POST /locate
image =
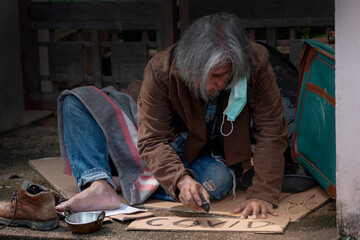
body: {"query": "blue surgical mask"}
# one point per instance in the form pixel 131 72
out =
pixel 236 103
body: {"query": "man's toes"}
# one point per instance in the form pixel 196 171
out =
pixel 60 207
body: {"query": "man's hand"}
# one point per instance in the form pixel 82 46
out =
pixel 256 207
pixel 189 192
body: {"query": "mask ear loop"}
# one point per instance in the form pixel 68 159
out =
pixel 222 125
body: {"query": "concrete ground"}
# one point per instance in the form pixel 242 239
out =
pixel 40 140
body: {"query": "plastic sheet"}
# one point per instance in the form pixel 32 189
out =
pixel 287 79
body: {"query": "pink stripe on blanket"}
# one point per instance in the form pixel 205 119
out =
pixel 67 166
pixel 145 178
pixel 124 127
pixel 146 187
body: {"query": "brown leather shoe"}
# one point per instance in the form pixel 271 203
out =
pixel 31 205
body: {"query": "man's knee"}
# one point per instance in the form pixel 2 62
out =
pixel 71 105
pixel 219 181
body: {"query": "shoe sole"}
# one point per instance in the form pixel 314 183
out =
pixel 35 225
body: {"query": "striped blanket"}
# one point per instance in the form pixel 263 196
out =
pixel 116 114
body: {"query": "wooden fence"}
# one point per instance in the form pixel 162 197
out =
pixel 280 23
pixel 69 44
pixel 101 43
pixel 264 14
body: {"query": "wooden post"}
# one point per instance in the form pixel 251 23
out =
pixel 271 36
pixel 292 33
pixel 170 22
pixel 96 58
pixel 25 44
pixel 252 34
pixel 81 38
pixel 184 15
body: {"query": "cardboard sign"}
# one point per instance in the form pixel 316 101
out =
pixel 274 225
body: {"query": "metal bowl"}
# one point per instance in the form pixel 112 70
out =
pixel 83 222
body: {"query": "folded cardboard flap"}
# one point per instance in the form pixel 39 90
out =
pixel 51 170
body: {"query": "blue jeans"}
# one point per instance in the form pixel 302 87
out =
pixel 87 151
pixel 210 172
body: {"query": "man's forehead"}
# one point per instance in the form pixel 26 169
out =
pixel 222 67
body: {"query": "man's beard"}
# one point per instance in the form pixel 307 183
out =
pixel 207 95
pixel 211 95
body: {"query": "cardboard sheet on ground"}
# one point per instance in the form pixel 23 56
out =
pixel 291 206
pixel 52 170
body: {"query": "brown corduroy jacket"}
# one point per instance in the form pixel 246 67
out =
pixel 167 107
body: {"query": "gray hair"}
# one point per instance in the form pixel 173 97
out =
pixel 211 41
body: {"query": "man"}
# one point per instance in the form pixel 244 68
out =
pixel 194 107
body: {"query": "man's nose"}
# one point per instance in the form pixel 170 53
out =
pixel 211 84
pixel 214 85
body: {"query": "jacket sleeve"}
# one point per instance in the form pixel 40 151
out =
pixel 270 133
pixel 156 132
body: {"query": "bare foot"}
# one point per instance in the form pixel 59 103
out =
pixel 99 196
